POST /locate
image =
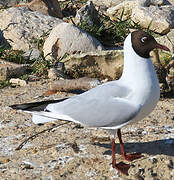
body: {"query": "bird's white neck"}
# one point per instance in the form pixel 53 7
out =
pixel 140 76
pixel 137 71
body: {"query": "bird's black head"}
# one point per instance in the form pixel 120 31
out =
pixel 143 43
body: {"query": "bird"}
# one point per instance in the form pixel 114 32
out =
pixel 114 104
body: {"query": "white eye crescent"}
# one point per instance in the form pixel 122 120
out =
pixel 143 39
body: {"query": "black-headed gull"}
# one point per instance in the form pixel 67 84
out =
pixel 114 104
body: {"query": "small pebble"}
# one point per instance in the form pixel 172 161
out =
pixel 53 73
pixel 140 171
pixel 154 160
pixel 34 151
pixel 5 161
pixel 27 165
pixel 18 82
pixel 167 111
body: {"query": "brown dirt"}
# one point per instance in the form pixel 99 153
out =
pixel 75 152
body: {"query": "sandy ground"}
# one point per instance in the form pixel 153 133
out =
pixel 74 152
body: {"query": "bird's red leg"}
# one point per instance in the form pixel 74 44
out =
pixel 121 167
pixel 128 157
pixel 113 153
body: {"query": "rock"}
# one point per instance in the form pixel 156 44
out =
pixel 147 3
pixel 8 70
pixel 53 73
pixel 168 40
pixel 172 2
pixel 69 39
pixel 32 54
pixel 171 63
pixel 87 14
pixel 7 3
pixel 58 71
pixel 107 3
pixel 160 19
pixel 126 6
pixel 18 82
pixel 60 66
pixel 22 26
pixel 4 160
pixel 104 64
pixel 47 7
pixel 112 3
pixel 33 78
pixel 154 160
pixel 27 165
pixel 69 85
pixel 101 65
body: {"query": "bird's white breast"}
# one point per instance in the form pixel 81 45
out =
pixel 139 74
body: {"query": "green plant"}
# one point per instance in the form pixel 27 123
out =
pixel 38 41
pixel 15 56
pixel 25 77
pixel 3 7
pixel 2 50
pixel 4 83
pixel 165 57
pixel 110 31
pixel 41 65
pixel 95 30
pixel 120 28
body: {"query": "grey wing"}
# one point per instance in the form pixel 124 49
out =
pixel 96 112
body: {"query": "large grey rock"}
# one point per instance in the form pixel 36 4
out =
pixel 168 40
pixel 9 69
pixel 115 12
pixel 160 18
pixel 5 3
pixel 87 14
pixel 112 3
pixel 101 65
pixel 104 64
pixel 20 26
pixel 67 38
pixel 147 3
pixel 32 54
pixel 172 2
pixel 107 3
pixel 17 82
pixel 47 7
pixel 10 3
pixel 129 5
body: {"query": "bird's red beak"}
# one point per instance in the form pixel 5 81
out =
pixel 159 46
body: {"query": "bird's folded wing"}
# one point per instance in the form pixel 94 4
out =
pixel 96 112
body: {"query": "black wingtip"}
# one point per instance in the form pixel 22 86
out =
pixel 18 106
pixel 36 106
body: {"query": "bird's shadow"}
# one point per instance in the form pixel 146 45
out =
pixel 158 147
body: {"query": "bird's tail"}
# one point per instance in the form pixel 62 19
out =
pixel 37 108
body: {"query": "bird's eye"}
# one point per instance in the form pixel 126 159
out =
pixel 144 39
